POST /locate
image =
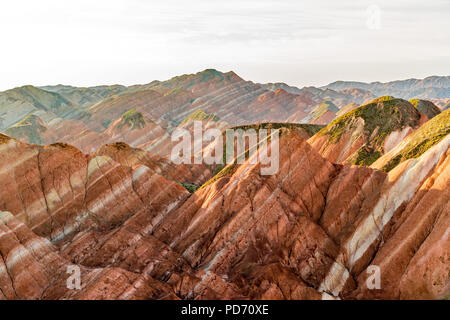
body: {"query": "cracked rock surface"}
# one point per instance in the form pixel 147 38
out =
pixel 307 232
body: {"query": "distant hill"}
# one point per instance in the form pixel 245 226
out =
pixel 324 113
pixel 29 130
pixel 88 117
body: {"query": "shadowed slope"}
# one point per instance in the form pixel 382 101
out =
pixel 364 134
pixel 413 146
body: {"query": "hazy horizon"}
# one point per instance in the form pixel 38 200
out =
pixel 81 43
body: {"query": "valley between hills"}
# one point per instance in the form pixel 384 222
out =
pixel 363 180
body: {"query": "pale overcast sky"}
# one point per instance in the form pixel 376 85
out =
pixel 298 42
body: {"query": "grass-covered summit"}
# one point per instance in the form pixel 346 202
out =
pixel 29 128
pixel 429 134
pixel 373 122
pixel 132 119
pixel 200 115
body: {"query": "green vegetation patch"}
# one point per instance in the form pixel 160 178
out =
pixel 228 170
pixel 385 116
pixel 431 133
pixel 200 115
pixel 191 187
pixel 311 129
pixel 132 119
pixel 365 156
pixel 209 74
pixel 381 99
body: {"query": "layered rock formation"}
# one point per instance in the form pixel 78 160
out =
pixel 414 145
pixel 362 135
pixel 57 191
pixel 88 118
pixel 428 108
pixel 310 231
pixel 132 157
pixel 32 268
pixel 97 192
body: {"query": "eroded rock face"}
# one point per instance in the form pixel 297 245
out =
pixel 31 268
pixel 364 134
pixel 144 116
pixel 310 231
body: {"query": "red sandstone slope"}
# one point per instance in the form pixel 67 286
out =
pixel 226 95
pixel 364 134
pixel 57 191
pixel 307 232
pixel 414 257
pixel 132 157
pixel 31 268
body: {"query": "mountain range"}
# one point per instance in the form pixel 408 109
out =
pixel 88 182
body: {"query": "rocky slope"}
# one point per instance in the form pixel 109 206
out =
pixel 428 108
pixel 56 190
pixel 414 145
pixel 91 185
pixel 413 255
pixel 428 88
pixel 308 232
pixel 131 157
pixel 324 113
pixel 32 268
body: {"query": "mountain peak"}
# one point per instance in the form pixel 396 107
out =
pixel 132 119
